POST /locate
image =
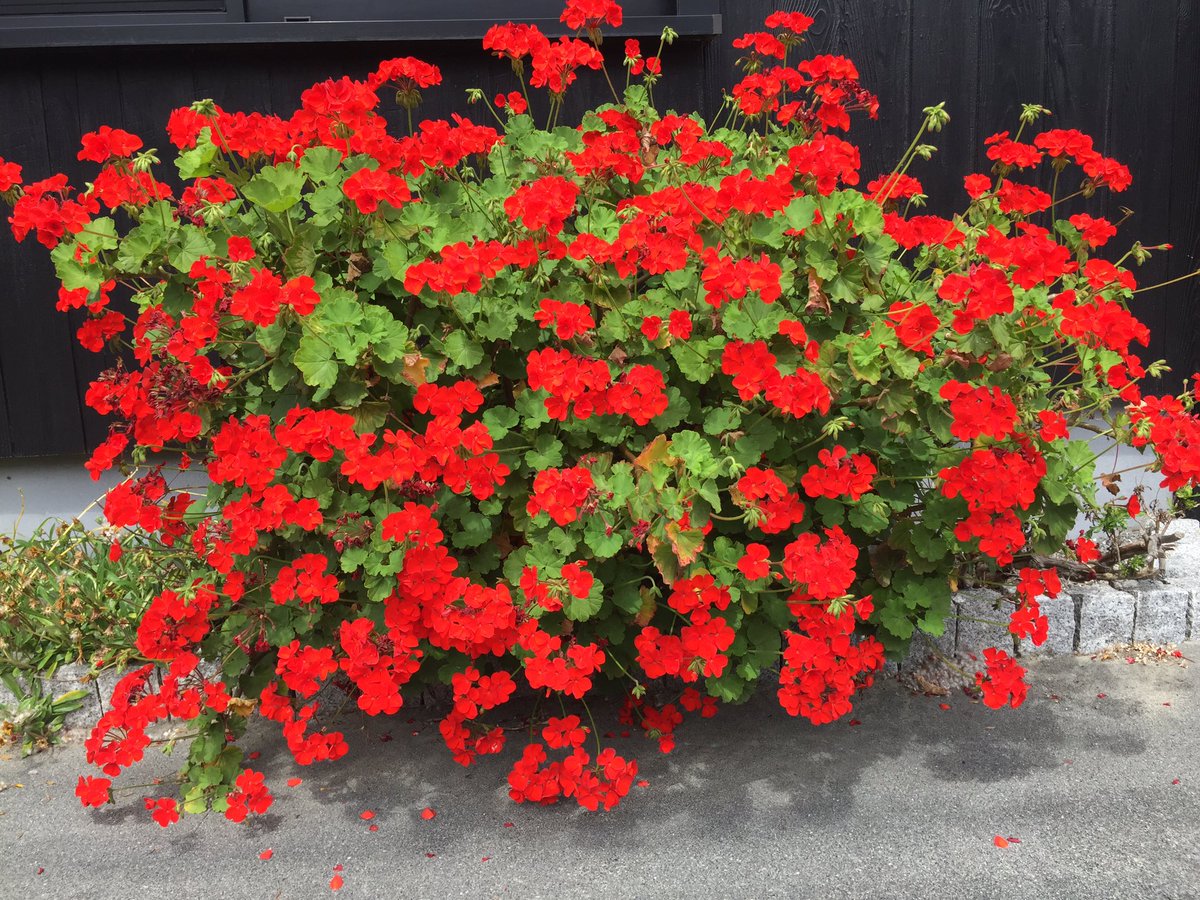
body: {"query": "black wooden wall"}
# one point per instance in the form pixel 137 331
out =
pixel 1126 71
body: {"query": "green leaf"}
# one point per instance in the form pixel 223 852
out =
pixel 722 419
pixel 321 163
pixel 474 530
pixel 197 162
pixel 696 453
pixel 866 360
pixel 871 514
pixel 602 545
pixel 188 246
pixel 580 610
pixel 462 351
pixel 275 188
pixel 547 452
pixel 314 359
pixel 800 213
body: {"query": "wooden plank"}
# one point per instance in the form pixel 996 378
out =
pixel 6 433
pixel 1012 63
pixel 1078 90
pixel 35 342
pixel 96 102
pixel 1140 137
pixel 63 131
pixel 877 36
pixel 945 38
pixel 1181 340
pixel 1079 42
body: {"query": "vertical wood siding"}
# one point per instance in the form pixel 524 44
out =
pixel 1125 71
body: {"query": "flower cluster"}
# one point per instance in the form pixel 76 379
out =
pixel 650 406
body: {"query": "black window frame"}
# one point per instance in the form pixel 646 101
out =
pixel 148 23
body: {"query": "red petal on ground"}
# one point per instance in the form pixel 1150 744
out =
pixel 295 782
pixel 854 722
pixel 427 814
pixel 266 854
pixel 373 827
pixel 509 825
pixel 1000 842
pixel 336 882
pixel 367 815
pixel 943 705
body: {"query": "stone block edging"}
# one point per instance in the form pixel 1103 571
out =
pixel 1087 616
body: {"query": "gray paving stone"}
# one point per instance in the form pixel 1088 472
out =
pixel 1060 635
pixel 1105 616
pixel 1183 557
pixel 974 636
pixel 1162 616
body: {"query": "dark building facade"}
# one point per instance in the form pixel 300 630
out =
pixel 1125 71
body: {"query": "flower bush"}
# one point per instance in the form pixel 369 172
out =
pixel 648 404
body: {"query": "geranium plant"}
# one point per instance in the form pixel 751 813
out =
pixel 642 403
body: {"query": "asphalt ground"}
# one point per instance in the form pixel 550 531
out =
pixel 1094 783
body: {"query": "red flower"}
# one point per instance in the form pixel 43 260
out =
pixel 1094 232
pixel 367 188
pixel 977 185
pixel 561 493
pixel 590 14
pixel 795 22
pixel 165 810
pixel 915 326
pixel 1003 684
pixel 565 732
pixel 109 143
pixel 679 324
pixel 979 411
pixel 1085 550
pixel 651 327
pixel 1054 425
pixel 823 570
pixel 251 796
pixel 543 204
pixel 10 175
pixel 93 791
pixel 513 101
pixel 239 248
pixel 259 301
pixel 408 72
pixel 579 580
pixel 756 562
pixel 568 319
pixel 839 475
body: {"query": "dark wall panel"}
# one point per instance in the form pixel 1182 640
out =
pixel 1125 71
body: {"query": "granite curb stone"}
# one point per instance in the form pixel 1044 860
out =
pixel 1106 616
